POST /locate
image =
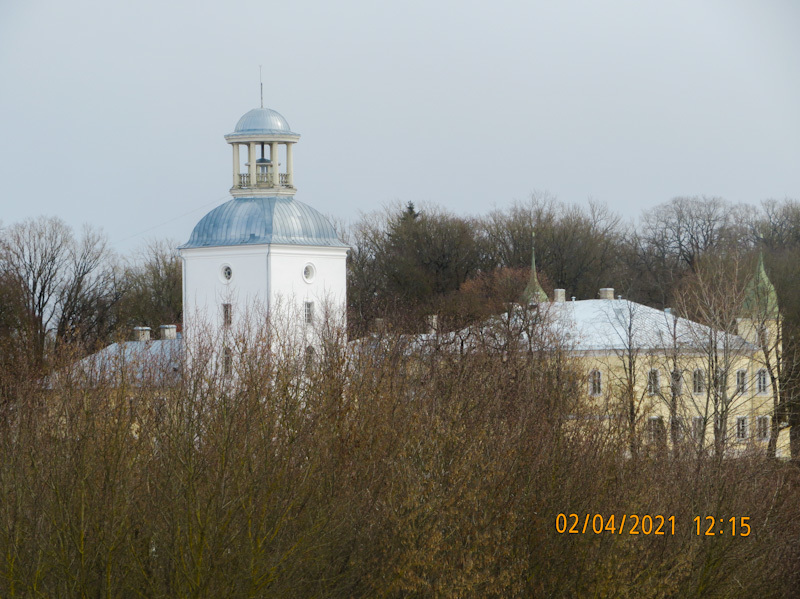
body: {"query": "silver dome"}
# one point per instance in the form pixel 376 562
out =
pixel 261 220
pixel 262 121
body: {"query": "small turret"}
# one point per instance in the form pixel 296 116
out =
pixel 758 319
pixel 760 299
pixel 533 294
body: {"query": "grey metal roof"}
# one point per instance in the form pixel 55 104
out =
pixel 156 362
pixel 262 121
pixel 260 220
pixel 621 324
pixel 600 326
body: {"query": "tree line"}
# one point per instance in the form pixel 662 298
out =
pixel 372 472
pixel 59 288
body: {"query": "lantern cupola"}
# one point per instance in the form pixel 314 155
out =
pixel 265 167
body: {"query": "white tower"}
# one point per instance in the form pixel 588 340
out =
pixel 262 253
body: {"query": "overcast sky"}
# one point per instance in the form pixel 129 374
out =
pixel 114 113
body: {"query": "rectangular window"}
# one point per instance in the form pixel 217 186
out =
pixel 652 382
pixel 741 428
pixel 656 433
pixel 720 381
pixel 698 427
pixel 309 357
pixel 227 362
pixel 761 381
pixel 677 382
pixel 309 312
pixel 679 427
pixel 762 427
pixel 595 382
pixel 698 382
pixel 227 315
pixel 741 381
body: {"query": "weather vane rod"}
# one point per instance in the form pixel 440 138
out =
pixel 261 83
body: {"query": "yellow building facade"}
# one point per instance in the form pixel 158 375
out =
pixel 672 382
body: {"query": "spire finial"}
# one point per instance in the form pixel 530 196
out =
pixel 760 300
pixel 261 83
pixel 533 292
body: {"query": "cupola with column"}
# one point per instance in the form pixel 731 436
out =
pixel 262 154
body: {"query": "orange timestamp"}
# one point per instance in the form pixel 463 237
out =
pixel 726 526
pixel 631 524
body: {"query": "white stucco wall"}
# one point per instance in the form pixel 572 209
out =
pixel 265 279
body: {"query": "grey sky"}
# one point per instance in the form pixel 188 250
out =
pixel 114 113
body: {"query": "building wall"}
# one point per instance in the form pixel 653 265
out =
pixel 289 289
pixel 615 368
pixel 205 289
pixel 266 279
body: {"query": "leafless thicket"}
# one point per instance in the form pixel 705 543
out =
pixel 383 469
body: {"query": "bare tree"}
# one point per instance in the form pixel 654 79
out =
pixel 34 255
pixel 87 300
pixel 64 288
pixel 577 248
pixel 152 281
pixel 714 296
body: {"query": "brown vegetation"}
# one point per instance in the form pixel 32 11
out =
pixel 370 473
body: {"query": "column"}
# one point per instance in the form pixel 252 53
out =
pixel 273 157
pixel 251 158
pixel 289 165
pixel 235 165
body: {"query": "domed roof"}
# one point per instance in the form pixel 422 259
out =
pixel 262 121
pixel 260 220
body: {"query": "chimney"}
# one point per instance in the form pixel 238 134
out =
pixel 141 333
pixel 668 311
pixel 607 293
pixel 168 331
pixel 432 320
pixel 559 295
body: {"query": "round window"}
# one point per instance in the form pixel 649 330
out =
pixel 308 272
pixel 227 272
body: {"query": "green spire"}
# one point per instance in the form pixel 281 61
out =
pixel 760 299
pixel 533 291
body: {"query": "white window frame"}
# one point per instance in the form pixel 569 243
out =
pixel 677 382
pixel 308 311
pixel 595 383
pixel 656 433
pixel 765 420
pixel 227 362
pixel 698 427
pixel 680 426
pixel 762 382
pixel 741 381
pixel 742 428
pixel 720 381
pixel 698 381
pixel 653 382
pixel 227 315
